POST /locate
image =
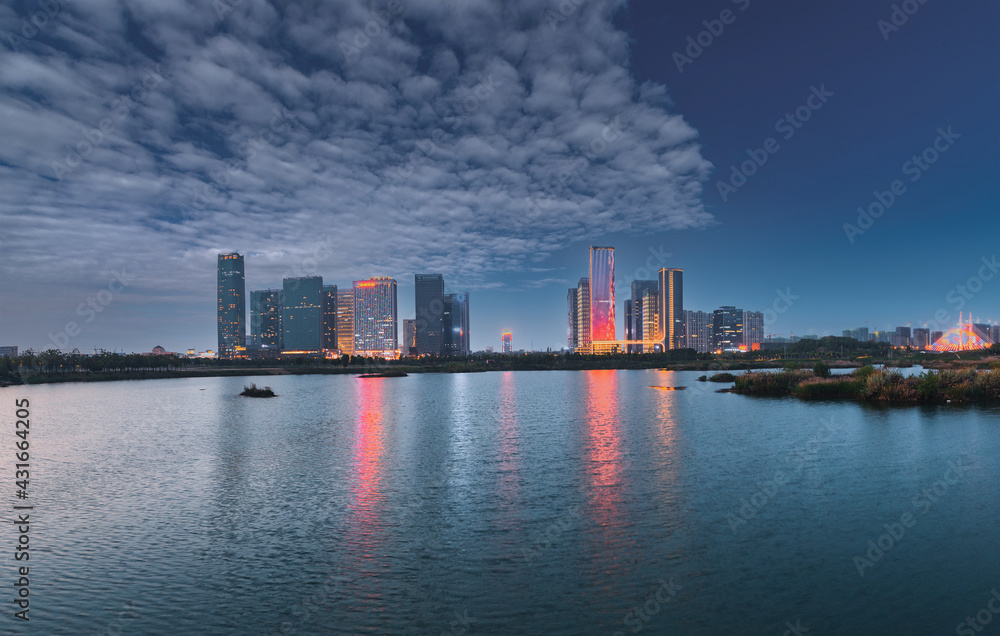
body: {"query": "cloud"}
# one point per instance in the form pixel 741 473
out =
pixel 470 138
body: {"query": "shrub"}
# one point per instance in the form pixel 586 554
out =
pixel 821 369
pixel 722 377
pixel 864 372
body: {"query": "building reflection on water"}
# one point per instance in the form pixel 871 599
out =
pixel 366 505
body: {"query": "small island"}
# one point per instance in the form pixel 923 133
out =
pixel 253 391
pixel 385 374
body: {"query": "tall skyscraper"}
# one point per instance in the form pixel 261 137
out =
pixel 602 294
pixel 265 318
pixel 629 334
pixel 302 313
pixel 428 292
pixel 753 328
pixel 345 321
pixel 672 307
pixel 572 318
pixel 409 345
pixel 639 289
pixel 232 305
pixel 727 328
pixel 375 319
pixel 901 337
pixel 649 314
pixel 329 317
pixel 697 331
pixel 583 313
pixel 921 337
pixel 456 324
pixel 506 342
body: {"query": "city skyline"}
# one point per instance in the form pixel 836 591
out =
pixel 644 155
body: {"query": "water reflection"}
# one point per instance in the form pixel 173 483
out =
pixel 367 499
pixel 509 459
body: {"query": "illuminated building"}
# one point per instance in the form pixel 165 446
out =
pixel 265 318
pixel 572 319
pixel 345 321
pixel 901 337
pixel 935 336
pixel 753 328
pixel 629 334
pixel 375 321
pixel 602 293
pixel 232 305
pixel 964 337
pixel 428 292
pixel 649 319
pixel 329 317
pixel 984 331
pixel 727 329
pixel 921 337
pixel 639 289
pixel 409 345
pixel 672 307
pixel 697 331
pixel 506 343
pixel 456 324
pixel 583 313
pixel 302 314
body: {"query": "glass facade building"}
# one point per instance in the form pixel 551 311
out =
pixel 302 313
pixel 265 318
pixel 429 303
pixel 456 324
pixel 583 313
pixel 672 307
pixel 329 317
pixel 345 321
pixel 232 305
pixel 602 294
pixel 639 332
pixel 375 320
pixel 408 346
pixel 727 329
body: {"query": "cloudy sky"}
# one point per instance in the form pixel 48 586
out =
pixel 491 141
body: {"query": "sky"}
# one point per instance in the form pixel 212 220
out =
pixel 494 142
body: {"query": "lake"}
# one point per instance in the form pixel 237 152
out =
pixel 500 503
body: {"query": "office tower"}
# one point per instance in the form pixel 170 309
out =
pixel 697 331
pixel 860 334
pixel 447 347
pixel 329 317
pixel 265 318
pixel 345 321
pixel 572 319
pixel 456 324
pixel 901 337
pixel 506 343
pixel 727 328
pixel 936 335
pixel 921 338
pixel 583 313
pixel 753 328
pixel 629 334
pixel 8 352
pixel 375 320
pixel 302 314
pixel 429 297
pixel 672 307
pixel 649 312
pixel 639 289
pixel 602 294
pixel 232 305
pixel 409 345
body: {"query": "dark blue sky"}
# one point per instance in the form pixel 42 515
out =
pixel 462 141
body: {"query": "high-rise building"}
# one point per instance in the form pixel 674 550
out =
pixel 860 334
pixel 8 352
pixel 629 334
pixel 429 297
pixel 649 323
pixel 697 331
pixel 329 317
pixel 409 345
pixel 232 306
pixel 921 337
pixel 506 342
pixel 753 328
pixel 602 294
pixel 456 324
pixel 302 313
pixel 727 328
pixel 639 289
pixel 984 331
pixel 995 337
pixel 936 335
pixel 345 321
pixel 375 320
pixel 265 319
pixel 901 337
pixel 572 318
pixel 672 307
pixel 583 313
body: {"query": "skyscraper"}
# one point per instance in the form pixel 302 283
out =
pixel 572 318
pixel 456 324
pixel 409 345
pixel 265 318
pixel 345 321
pixel 302 313
pixel 232 305
pixel 583 313
pixel 375 319
pixel 901 337
pixel 506 342
pixel 629 334
pixel 753 328
pixel 697 331
pixel 602 294
pixel 429 300
pixel 639 289
pixel 672 307
pixel 649 314
pixel 329 317
pixel 921 337
pixel 727 328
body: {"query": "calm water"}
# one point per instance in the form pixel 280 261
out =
pixel 499 503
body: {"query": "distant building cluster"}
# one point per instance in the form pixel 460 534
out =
pixel 307 318
pixel 967 335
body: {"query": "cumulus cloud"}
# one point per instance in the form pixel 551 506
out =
pixel 470 138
